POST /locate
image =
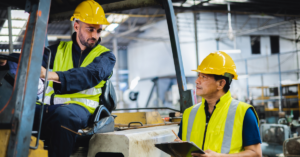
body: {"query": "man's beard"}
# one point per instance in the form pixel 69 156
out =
pixel 85 43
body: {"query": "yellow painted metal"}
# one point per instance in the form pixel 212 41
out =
pixel 175 119
pixel 284 109
pixel 39 152
pixel 143 117
pixel 153 118
pixel 4 138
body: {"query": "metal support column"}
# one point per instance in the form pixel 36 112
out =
pixel 217 42
pixel 280 87
pixel 9 30
pixel 186 96
pixel 296 46
pixel 196 38
pixel 247 81
pixel 21 106
pixel 115 50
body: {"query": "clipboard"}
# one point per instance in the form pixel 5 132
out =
pixel 179 149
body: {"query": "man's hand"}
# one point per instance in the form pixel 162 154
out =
pixel 43 73
pixel 208 153
pixel 178 140
pixel 52 76
pixel 3 62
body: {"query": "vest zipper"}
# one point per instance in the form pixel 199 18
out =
pixel 204 136
pixel 80 59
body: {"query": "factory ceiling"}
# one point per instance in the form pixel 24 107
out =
pixel 135 19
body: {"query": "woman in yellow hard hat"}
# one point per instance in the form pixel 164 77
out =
pixel 220 125
pixel 82 67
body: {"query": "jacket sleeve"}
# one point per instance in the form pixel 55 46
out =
pixel 78 79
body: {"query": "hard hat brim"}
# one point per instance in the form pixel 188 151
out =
pixel 90 22
pixel 205 72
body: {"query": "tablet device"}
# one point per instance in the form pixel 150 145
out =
pixel 179 149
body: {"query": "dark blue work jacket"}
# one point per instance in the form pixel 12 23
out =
pixel 81 78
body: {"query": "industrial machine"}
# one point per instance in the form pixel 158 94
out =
pixel 291 147
pixel 18 93
pixel 273 136
pixel 280 139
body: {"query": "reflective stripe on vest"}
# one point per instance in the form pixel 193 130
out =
pixel 91 91
pixel 63 61
pixel 191 121
pixel 226 144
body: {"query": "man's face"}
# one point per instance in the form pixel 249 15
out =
pixel 206 85
pixel 88 34
pixel 2 62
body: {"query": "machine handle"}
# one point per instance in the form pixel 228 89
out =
pixel 134 122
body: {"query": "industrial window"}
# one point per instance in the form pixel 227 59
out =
pixel 274 44
pixel 255 44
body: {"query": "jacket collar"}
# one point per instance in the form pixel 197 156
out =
pixel 225 98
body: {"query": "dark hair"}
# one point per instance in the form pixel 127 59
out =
pixel 227 85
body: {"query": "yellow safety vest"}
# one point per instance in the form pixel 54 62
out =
pixel 224 133
pixel 63 61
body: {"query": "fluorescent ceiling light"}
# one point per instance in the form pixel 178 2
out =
pixel 112 27
pixel 52 38
pixel 5 38
pixel 114 19
pixel 192 2
pixel 237 1
pixel 177 4
pixel 134 83
pixel 232 51
pixel 262 16
pixel 104 33
pixel 187 4
pixel 19 20
pixel 7 50
pixel 117 18
pixel 4 31
pixel 15 23
pixel 217 2
pixel 225 1
pixel 19 14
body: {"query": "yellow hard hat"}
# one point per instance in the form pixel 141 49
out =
pixel 90 12
pixel 218 63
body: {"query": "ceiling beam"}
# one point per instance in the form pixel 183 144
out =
pixel 107 39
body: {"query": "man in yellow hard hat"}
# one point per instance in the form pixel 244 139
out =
pixel 80 68
pixel 220 125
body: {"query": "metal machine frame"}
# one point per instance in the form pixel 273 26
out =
pixel 18 113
